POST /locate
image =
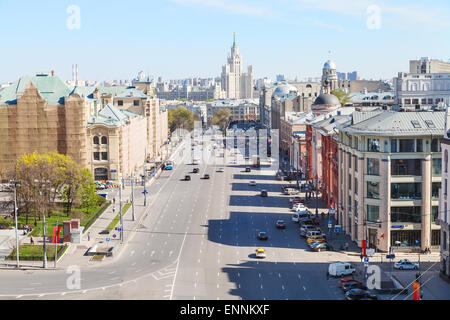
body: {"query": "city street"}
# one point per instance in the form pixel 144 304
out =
pixel 197 240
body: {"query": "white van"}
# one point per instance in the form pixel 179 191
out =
pixel 339 269
pixel 312 233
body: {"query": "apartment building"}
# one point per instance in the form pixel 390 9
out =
pixel 389 179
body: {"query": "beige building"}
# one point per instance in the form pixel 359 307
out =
pixel 41 113
pixel 389 177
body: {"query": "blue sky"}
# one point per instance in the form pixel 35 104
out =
pixel 182 38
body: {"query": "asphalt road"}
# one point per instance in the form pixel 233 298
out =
pixel 197 241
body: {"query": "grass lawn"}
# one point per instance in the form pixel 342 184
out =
pixel 58 215
pixel 117 218
pixel 36 252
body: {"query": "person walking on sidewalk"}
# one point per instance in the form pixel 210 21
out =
pixel 89 236
pixel 32 240
pixel 346 246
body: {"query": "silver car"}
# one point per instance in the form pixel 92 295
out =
pixel 405 264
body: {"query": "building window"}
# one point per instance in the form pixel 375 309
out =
pixel 96 156
pixel 444 240
pixel 406 145
pixel 373 145
pixel 406 214
pixel 136 103
pixel 120 102
pixel 373 213
pixel 419 145
pixel 105 156
pixel 435 145
pixel 437 167
pixel 446 161
pixel 349 161
pixel 373 167
pixel 96 140
pixel 104 140
pixel 434 213
pixel 435 186
pixel 349 181
pixel 406 191
pixel 436 237
pixel 373 190
pixel 356 185
pixel 406 167
pixel 405 238
pixel 356 163
pixel 393 145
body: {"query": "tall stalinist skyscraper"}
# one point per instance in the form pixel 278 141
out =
pixel 237 85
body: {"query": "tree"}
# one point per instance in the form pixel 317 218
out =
pixel 222 118
pixel 342 95
pixel 181 118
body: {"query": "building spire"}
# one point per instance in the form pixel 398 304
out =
pixel 234 38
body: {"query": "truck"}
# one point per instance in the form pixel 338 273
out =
pixel 256 161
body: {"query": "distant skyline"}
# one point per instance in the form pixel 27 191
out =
pixel 176 39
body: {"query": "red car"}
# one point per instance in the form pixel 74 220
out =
pixel 343 281
pixel 280 224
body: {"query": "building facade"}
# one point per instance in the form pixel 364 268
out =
pixel 389 179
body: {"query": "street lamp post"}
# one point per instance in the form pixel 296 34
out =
pixel 45 247
pixel 15 219
pixel 120 213
pixel 132 199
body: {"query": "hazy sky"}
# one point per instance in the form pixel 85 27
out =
pixel 115 39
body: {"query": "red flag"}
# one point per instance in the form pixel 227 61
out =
pixel 364 248
pixel 59 233
pixel 382 236
pixel 54 235
pixel 416 290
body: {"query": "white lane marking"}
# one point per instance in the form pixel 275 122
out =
pixel 131 253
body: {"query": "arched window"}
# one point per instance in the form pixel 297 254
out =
pixel 104 140
pixel 96 140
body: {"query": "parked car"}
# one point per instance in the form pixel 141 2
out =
pixel 280 224
pixel 187 177
pixel 353 285
pixel 359 294
pixel 260 253
pixel 314 244
pixel 248 169
pixel 405 264
pixel 196 170
pixel 262 235
pixel 252 183
pixel 206 176
pixel 339 269
pixel 315 238
pixel 220 170
pixel 264 193
pixel 345 280
pixel 323 246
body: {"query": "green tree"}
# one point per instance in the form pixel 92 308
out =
pixel 222 118
pixel 180 118
pixel 342 95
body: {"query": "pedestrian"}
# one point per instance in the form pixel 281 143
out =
pixel 32 240
pixel 114 200
pixel 346 246
pixel 89 236
pixel 361 257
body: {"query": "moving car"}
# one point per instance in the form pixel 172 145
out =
pixel 196 170
pixel 264 193
pixel 280 224
pixel 187 177
pixel 322 246
pixel 260 253
pixel 248 169
pixel 405 264
pixel 339 269
pixel 314 244
pixel 252 183
pixel 358 294
pixel 262 235
pixel 220 170
pixel 206 176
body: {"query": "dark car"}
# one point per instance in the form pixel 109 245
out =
pixel 187 177
pixel 206 176
pixel 343 281
pixel 196 170
pixel 280 224
pixel 353 285
pixel 262 235
pixel 248 169
pixel 264 193
pixel 323 246
pixel 358 294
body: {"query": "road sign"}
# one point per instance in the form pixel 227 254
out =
pixel 145 191
pixel 114 235
pixel 108 239
pixel 366 260
pixel 330 224
pixel 337 228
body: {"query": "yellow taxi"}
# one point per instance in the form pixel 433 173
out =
pixel 315 238
pixel 260 253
